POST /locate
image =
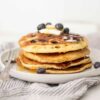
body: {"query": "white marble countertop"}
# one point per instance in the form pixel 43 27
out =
pixel 92 94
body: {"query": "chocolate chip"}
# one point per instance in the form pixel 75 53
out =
pixel 54 42
pixel 33 41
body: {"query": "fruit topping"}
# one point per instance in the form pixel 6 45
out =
pixel 59 26
pixel 41 70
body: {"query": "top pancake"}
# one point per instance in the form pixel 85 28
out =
pixel 50 43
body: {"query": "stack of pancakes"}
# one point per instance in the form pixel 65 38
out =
pixel 58 54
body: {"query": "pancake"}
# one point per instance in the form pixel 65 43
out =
pixel 75 69
pixel 31 64
pixel 50 43
pixel 70 70
pixel 56 57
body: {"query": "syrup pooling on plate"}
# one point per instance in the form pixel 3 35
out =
pixel 22 68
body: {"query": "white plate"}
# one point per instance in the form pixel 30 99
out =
pixel 51 78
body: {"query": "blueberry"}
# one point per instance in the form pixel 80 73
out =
pixel 59 26
pixel 41 70
pixel 41 26
pixel 97 65
pixel 66 30
pixel 13 61
pixel 48 23
pixel 53 85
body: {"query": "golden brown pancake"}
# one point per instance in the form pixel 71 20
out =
pixel 50 43
pixel 70 70
pixel 31 64
pixel 56 57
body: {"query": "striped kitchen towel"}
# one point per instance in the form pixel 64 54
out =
pixel 14 89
